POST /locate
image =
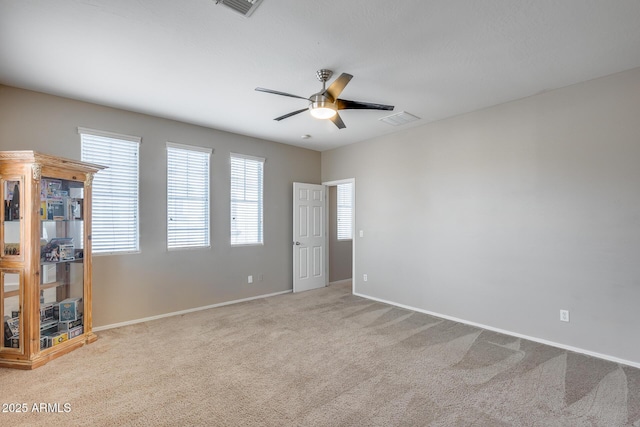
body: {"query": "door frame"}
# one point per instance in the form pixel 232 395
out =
pixel 328 184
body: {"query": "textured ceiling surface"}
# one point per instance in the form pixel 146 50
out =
pixel 199 62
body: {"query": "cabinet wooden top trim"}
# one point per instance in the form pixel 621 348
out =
pixel 28 156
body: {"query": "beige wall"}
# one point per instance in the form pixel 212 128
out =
pixel 340 251
pixel 153 282
pixel 506 215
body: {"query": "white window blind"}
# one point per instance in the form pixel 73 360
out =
pixel 345 211
pixel 187 196
pixel 246 199
pixel 115 226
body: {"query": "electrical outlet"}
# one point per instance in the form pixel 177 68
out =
pixel 250 279
pixel 564 315
pixel 261 278
pixel 364 277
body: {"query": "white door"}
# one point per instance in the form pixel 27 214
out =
pixel 309 237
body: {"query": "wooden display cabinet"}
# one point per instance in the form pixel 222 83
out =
pixel 45 257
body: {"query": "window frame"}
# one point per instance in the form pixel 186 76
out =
pixel 340 208
pixel 108 174
pixel 206 183
pixel 259 202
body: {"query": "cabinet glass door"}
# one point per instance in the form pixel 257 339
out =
pixel 61 261
pixel 11 298
pixel 11 243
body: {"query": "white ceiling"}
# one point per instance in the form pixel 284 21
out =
pixel 199 62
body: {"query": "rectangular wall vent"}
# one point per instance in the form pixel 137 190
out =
pixel 243 7
pixel 399 119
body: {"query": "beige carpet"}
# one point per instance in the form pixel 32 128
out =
pixel 321 358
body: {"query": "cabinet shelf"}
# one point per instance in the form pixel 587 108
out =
pixel 51 285
pixel 65 261
pixel 11 294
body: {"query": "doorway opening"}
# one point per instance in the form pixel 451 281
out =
pixel 341 232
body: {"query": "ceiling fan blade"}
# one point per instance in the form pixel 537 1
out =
pixel 275 92
pixel 345 104
pixel 335 89
pixel 338 121
pixel 293 113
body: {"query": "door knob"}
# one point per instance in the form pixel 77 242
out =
pixel 298 243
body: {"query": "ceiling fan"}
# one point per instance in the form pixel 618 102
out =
pixel 325 104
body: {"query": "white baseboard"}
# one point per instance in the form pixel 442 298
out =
pixel 191 310
pixel 513 334
pixel 340 282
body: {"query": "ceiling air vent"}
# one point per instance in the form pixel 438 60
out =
pixel 399 119
pixel 243 7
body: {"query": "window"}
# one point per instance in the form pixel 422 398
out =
pixel 115 190
pixel 246 199
pixel 345 211
pixel 187 196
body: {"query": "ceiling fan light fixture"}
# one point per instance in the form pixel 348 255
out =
pixel 321 108
pixel 322 112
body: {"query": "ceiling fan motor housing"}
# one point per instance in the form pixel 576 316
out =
pixel 321 106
